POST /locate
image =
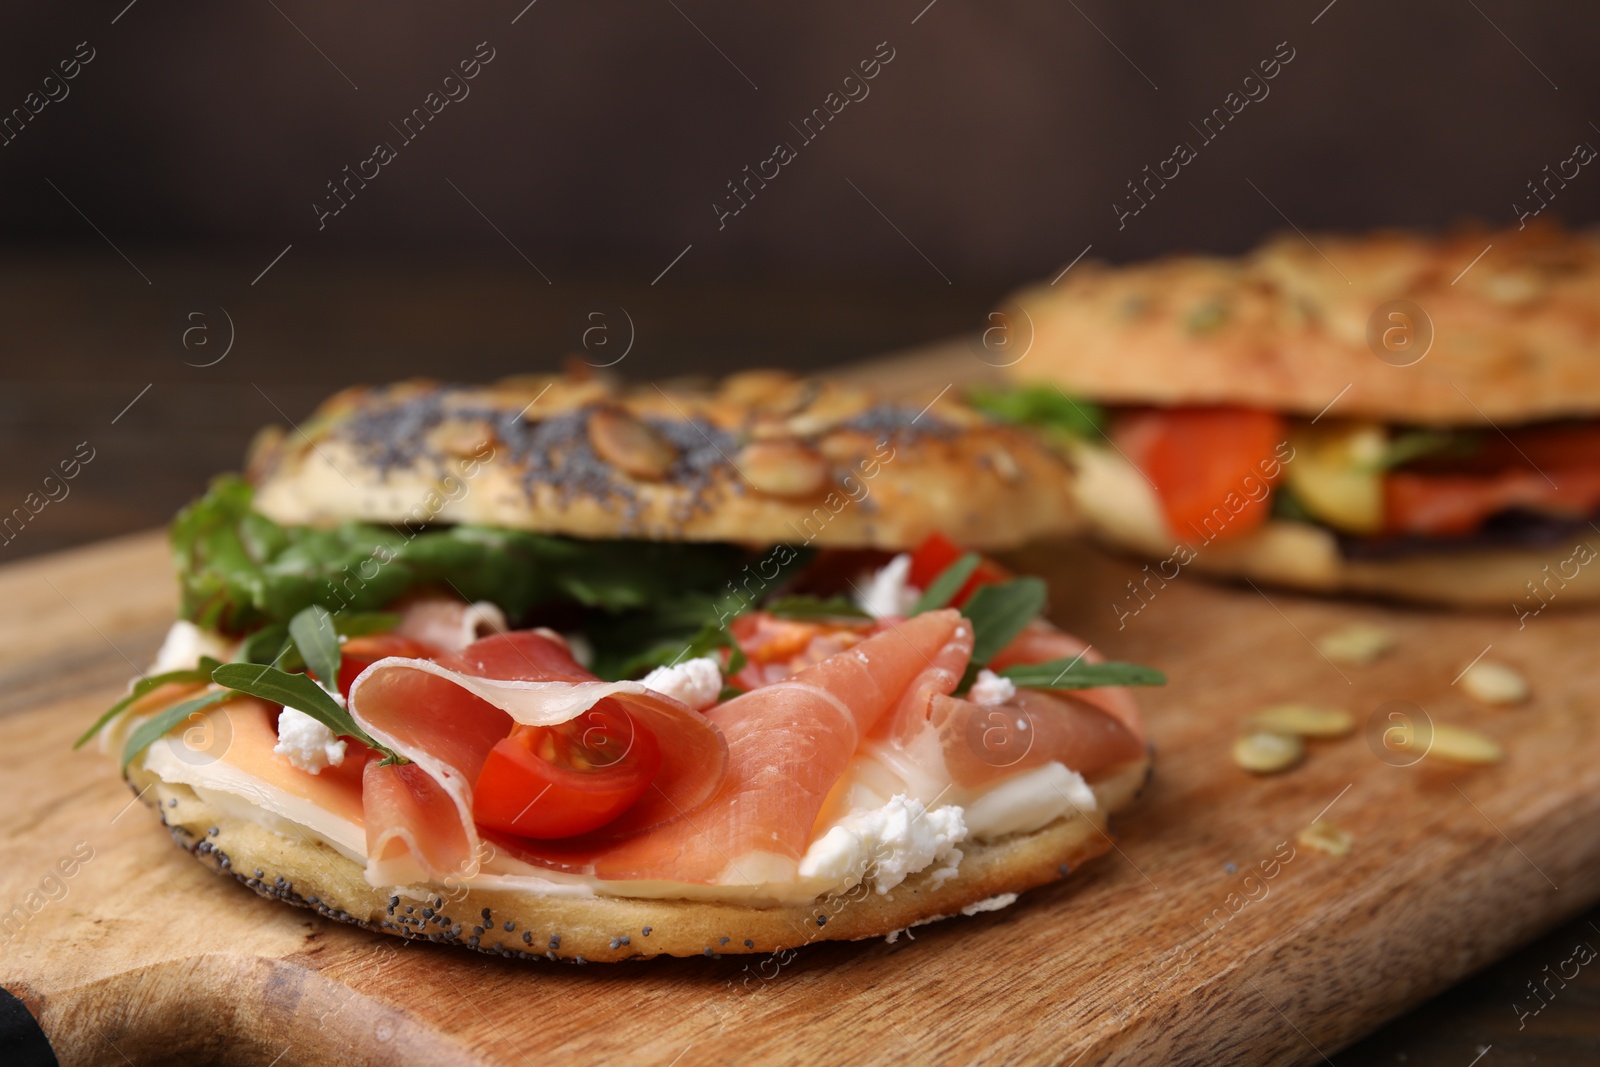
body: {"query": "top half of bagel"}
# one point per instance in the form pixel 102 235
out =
pixel 759 458
pixel 1461 329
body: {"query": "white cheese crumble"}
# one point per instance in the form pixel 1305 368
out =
pixel 696 682
pixel 1004 900
pixel 306 743
pixel 886 844
pixel 990 688
pixel 886 592
pixel 184 646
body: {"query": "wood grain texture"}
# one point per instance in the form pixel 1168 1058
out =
pixel 149 956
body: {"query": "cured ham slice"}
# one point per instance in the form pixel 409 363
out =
pixel 1040 642
pixel 788 744
pixel 984 743
pixel 445 716
pixel 448 623
pixel 1088 731
pixel 777 648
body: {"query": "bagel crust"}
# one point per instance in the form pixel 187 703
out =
pixel 502 922
pixel 1298 555
pixel 760 458
pixel 1292 325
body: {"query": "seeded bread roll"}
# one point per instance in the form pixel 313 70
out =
pixel 761 458
pixel 299 871
pixel 1290 327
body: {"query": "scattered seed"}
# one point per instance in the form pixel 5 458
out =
pixel 1460 745
pixel 1494 683
pixel 1262 752
pixel 1357 643
pixel 1303 720
pixel 1325 837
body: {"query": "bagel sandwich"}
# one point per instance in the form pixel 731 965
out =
pixel 561 668
pixel 1400 415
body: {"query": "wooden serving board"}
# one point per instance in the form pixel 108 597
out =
pixel 141 955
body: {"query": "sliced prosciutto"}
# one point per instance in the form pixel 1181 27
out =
pixel 1039 642
pixel 446 716
pixel 984 743
pixel 1088 731
pixel 788 744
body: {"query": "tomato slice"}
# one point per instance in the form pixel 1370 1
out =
pixel 1206 465
pixel 936 553
pixel 561 781
pixel 359 653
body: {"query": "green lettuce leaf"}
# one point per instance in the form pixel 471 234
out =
pixel 239 571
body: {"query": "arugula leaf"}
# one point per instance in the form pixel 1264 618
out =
pixel 1080 674
pixel 812 607
pixel 271 643
pixel 1042 407
pixel 318 644
pixel 153 729
pixel 943 589
pixel 299 692
pixel 999 612
pixel 147 684
pixel 711 638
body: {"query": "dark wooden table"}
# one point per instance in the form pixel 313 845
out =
pixel 92 358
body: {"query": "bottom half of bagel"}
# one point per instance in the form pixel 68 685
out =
pixel 1302 556
pixel 298 870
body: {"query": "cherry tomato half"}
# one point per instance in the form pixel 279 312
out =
pixel 560 781
pixel 359 653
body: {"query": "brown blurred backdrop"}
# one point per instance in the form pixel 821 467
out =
pixel 174 194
